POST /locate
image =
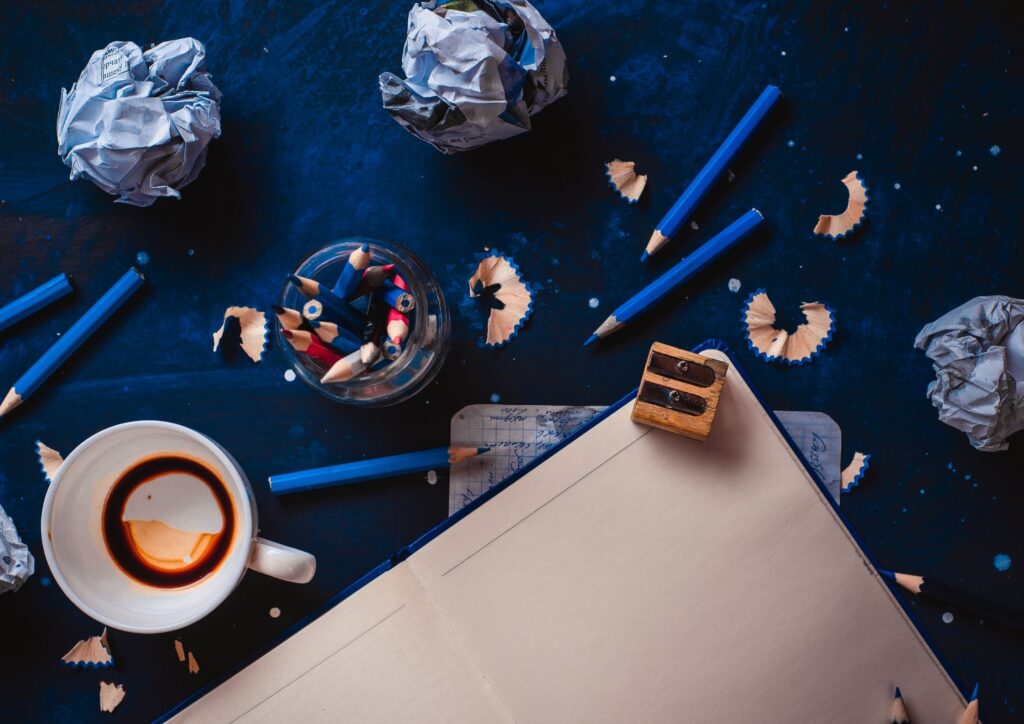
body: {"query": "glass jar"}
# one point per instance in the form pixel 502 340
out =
pixel 426 345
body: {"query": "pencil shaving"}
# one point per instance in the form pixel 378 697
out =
pixel 179 649
pixel 49 460
pixel 253 324
pixel 93 653
pixel 110 696
pixel 777 345
pixel 853 472
pixel 497 277
pixel 840 225
pixel 624 179
pixel 193 665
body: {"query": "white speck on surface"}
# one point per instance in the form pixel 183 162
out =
pixel 860 156
pixel 846 29
pixel 791 143
pixel 594 301
pixel 274 612
pixel 612 78
pixel 897 186
pixel 734 285
pixel 191 252
pixel 495 398
pixel 938 207
pixel 730 176
pixel 142 258
pixel 265 49
pixel 783 53
pixel 995 150
pixel 665 55
pixel 974 168
pixel 959 153
pixel 694 225
pixel 432 477
pixel 289 375
pixel 947 617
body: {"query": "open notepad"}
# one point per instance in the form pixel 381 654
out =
pixel 634 575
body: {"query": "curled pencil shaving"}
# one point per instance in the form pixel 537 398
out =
pixel 853 472
pixel 110 696
pixel 49 460
pixel 624 179
pixel 840 225
pixel 253 324
pixel 771 344
pixel 93 652
pixel 497 280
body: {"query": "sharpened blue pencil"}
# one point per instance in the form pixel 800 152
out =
pixel 677 275
pixel 363 470
pixel 344 312
pixel 683 208
pixel 35 300
pixel 972 714
pixel 352 273
pixel 71 340
pixel 899 713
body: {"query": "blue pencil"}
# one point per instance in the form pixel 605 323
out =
pixel 345 313
pixel 396 297
pixel 71 340
pixel 681 272
pixel 363 470
pixel 681 210
pixel 352 273
pixel 35 300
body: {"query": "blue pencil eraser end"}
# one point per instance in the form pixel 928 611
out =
pixel 645 256
pixel 974 694
pixel 590 340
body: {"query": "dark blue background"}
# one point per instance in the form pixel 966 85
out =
pixel 906 94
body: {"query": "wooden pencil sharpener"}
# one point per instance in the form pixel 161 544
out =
pixel 679 391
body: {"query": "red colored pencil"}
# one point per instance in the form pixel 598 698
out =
pixel 373 277
pixel 309 343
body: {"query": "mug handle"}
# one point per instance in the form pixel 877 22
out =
pixel 281 561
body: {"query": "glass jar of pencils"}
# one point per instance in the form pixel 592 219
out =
pixel 374 334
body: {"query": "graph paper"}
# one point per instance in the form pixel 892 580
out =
pixel 516 435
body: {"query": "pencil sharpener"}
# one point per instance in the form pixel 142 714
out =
pixel 679 391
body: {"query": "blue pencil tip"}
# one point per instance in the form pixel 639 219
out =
pixel 888 574
pixel 590 340
pixel 482 450
pixel 897 695
pixel 645 256
pixel 974 694
pixel 294 279
pixel 364 247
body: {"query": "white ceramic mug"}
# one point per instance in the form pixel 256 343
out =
pixel 81 564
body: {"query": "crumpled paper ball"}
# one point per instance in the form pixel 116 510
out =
pixel 16 562
pixel 476 70
pixel 137 124
pixel 978 355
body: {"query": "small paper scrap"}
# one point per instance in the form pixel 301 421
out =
pixel 623 178
pixel 49 460
pixel 110 696
pixel 853 472
pixel 16 562
pixel 253 324
pixel 497 279
pixel 840 225
pixel 92 653
pixel 776 345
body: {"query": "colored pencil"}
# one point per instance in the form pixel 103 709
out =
pixel 35 300
pixel 373 277
pixel 682 209
pixel 972 714
pixel 71 340
pixel 352 273
pixel 363 470
pixel 335 336
pixel 304 341
pixel 395 296
pixel 397 329
pixel 315 291
pixel 677 275
pixel 352 364
pixel 899 709
pixel 918 585
pixel 289 318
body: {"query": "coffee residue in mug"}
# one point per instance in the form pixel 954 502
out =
pixel 168 521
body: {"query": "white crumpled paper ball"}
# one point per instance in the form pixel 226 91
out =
pixel 136 123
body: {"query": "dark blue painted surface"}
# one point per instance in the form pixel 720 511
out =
pixel 308 156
